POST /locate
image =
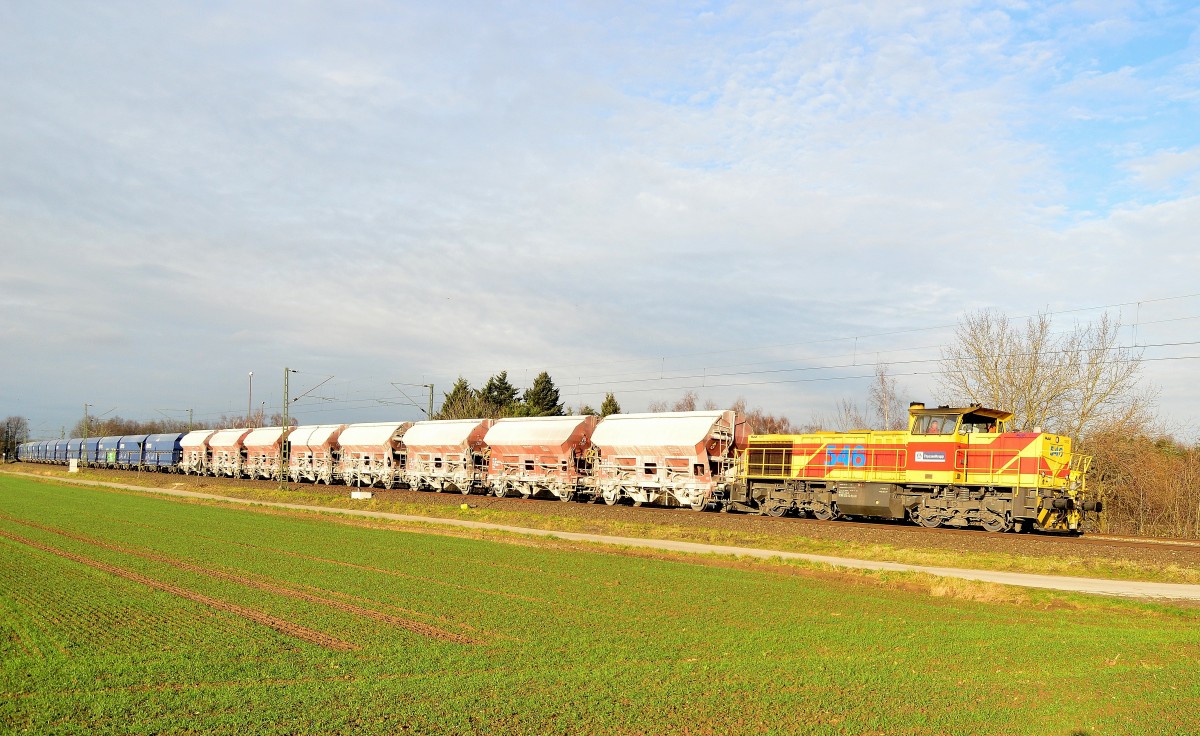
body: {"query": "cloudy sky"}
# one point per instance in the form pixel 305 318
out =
pixel 755 200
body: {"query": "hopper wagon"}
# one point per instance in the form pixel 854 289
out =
pixel 262 452
pixel 372 453
pixel 313 452
pixel 108 451
pixel 228 452
pixel 162 452
pixel 540 456
pixel 671 459
pixel 129 450
pixel 195 453
pixel 447 455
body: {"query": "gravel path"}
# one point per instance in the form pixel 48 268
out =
pixel 1127 588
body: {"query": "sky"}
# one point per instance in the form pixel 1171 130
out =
pixel 756 200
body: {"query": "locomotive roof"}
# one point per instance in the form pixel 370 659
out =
pixel 921 409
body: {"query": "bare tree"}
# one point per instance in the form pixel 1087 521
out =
pixel 885 401
pixel 687 402
pixel 14 431
pixel 1072 382
pixel 758 421
pixel 846 417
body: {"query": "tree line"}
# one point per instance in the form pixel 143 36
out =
pixel 499 398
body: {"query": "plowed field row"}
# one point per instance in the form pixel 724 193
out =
pixel 416 627
pixel 283 626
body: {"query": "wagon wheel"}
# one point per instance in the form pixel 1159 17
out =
pixel 388 482
pixel 700 505
pixel 611 499
pixel 994 522
pixel 466 489
pixel 500 491
pixel 567 496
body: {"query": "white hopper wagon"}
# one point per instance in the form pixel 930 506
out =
pixel 313 452
pixel 228 451
pixel 534 456
pixel 372 453
pixel 197 455
pixel 262 452
pixel 447 455
pixel 672 459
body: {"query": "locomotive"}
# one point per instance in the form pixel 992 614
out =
pixel 955 467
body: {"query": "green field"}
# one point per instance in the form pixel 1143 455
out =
pixel 124 613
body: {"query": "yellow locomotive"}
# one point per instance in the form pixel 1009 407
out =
pixel 955 467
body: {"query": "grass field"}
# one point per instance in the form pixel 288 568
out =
pixel 1077 561
pixel 122 613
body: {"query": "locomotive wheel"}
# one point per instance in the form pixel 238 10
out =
pixel 996 522
pixel 777 510
pixel 928 520
pixel 825 512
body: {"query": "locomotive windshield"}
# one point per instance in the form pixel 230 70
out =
pixel 935 424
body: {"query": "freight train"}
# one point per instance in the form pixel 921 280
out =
pixel 956 467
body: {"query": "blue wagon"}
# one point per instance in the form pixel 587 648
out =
pixel 91 450
pixel 129 450
pixel 75 450
pixel 162 452
pixel 108 451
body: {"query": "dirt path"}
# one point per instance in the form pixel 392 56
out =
pixel 1126 588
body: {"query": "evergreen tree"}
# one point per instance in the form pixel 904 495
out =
pixel 462 402
pixel 499 395
pixel 586 410
pixel 610 405
pixel 542 399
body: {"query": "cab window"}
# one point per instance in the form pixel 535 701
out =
pixel 934 424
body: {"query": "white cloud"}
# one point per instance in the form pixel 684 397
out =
pixel 414 191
